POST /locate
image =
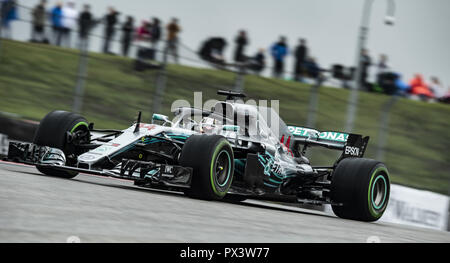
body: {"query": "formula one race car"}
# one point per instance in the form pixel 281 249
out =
pixel 234 151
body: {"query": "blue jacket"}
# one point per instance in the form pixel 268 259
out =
pixel 9 11
pixel 401 85
pixel 56 16
pixel 279 51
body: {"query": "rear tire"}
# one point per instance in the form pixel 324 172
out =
pixel 212 160
pixel 362 187
pixel 52 132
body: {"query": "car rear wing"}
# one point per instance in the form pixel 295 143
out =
pixel 351 145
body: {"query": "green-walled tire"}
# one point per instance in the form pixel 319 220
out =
pixel 212 160
pixel 362 188
pixel 52 132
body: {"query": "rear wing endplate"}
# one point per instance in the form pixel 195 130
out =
pixel 351 145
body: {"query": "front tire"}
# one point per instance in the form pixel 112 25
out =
pixel 52 132
pixel 212 160
pixel 362 187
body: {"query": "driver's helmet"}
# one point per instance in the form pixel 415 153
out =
pixel 209 125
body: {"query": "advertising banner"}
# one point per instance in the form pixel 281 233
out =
pixel 417 208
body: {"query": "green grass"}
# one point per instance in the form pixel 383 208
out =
pixel 36 79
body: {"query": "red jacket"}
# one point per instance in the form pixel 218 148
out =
pixel 419 87
pixel 143 32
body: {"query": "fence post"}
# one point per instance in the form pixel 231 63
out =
pixel 81 77
pixel 384 126
pixel 361 43
pixel 314 102
pixel 239 80
pixel 1 30
pixel 161 80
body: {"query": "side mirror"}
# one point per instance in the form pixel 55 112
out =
pixel 389 20
pixel 233 128
pixel 160 118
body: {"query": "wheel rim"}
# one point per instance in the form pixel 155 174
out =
pixel 81 126
pixel 222 168
pixel 70 148
pixel 379 191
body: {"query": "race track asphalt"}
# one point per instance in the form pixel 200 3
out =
pixel 37 208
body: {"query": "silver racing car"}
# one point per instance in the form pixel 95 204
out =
pixel 233 151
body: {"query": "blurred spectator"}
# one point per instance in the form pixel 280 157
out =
pixel 402 87
pixel 382 65
pixel 127 35
pixel 387 81
pixel 69 22
pixel 155 32
pixel 143 32
pixel 241 41
pixel 56 19
pixel 366 62
pixel 446 97
pixel 300 54
pixel 38 19
pixel 279 51
pixel 8 13
pixel 145 54
pixel 342 73
pixel 436 87
pixel 212 50
pixel 419 88
pixel 173 29
pixel 85 23
pixel 312 68
pixel 110 30
pixel 383 78
pixel 258 62
pixel 143 38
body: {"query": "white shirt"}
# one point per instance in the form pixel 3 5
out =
pixel 70 18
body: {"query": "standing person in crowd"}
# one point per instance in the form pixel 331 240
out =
pixel 143 32
pixel 38 19
pixel 366 62
pixel 85 24
pixel 241 41
pixel 110 23
pixel 155 32
pixel 382 65
pixel 382 68
pixel 301 53
pixel 173 29
pixel 56 15
pixel 143 44
pixel 279 51
pixel 8 13
pixel 127 35
pixel 69 22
